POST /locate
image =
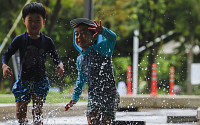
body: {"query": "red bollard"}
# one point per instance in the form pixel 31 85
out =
pixel 171 81
pixel 153 80
pixel 129 81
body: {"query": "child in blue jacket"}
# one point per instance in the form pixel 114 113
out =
pixel 94 66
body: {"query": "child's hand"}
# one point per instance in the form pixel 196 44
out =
pixel 69 105
pixel 97 28
pixel 60 70
pixel 7 71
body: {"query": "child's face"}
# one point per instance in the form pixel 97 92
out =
pixel 83 37
pixel 34 23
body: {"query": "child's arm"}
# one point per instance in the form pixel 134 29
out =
pixel 7 71
pixel 60 69
pixel 80 82
pixel 53 53
pixel 99 29
pixel 56 59
pixel 105 46
pixel 77 91
pixel 69 105
pixel 110 35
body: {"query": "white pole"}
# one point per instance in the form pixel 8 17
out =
pixel 88 9
pixel 15 67
pixel 135 61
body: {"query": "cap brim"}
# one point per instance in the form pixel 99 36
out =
pixel 75 22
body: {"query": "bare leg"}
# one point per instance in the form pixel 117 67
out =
pixel 94 117
pixel 21 111
pixel 107 121
pixel 37 109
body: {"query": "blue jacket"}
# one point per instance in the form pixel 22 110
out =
pixel 95 66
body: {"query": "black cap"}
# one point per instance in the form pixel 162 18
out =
pixel 75 22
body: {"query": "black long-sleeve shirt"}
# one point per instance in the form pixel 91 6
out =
pixel 32 55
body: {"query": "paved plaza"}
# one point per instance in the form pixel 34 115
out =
pixel 150 116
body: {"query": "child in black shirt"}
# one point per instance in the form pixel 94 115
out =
pixel 33 47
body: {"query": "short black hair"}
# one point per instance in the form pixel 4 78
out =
pixel 34 7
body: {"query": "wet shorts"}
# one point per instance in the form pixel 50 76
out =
pixel 23 90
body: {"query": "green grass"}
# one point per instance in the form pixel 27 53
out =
pixel 60 98
pixel 7 98
pixel 52 98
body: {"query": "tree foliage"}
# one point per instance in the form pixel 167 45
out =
pixel 153 18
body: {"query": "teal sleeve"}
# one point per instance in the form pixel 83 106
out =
pixel 80 82
pixel 107 45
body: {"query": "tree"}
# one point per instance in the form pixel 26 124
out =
pixel 187 24
pixel 8 15
pixel 153 18
pixel 54 17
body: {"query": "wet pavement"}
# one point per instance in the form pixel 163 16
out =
pixel 150 116
pixel 161 110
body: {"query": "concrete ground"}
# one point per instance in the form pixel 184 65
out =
pixel 169 110
pixel 150 116
pixel 7 111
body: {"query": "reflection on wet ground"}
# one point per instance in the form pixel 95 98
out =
pixel 150 116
